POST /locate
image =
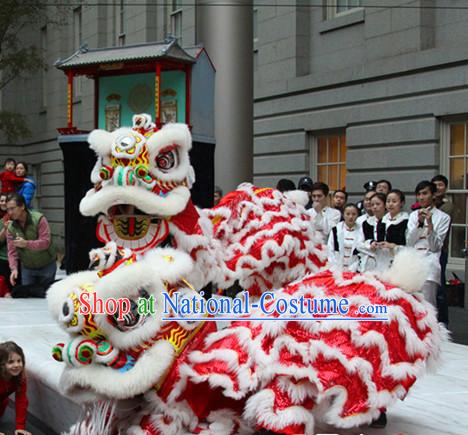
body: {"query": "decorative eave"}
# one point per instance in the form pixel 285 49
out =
pixel 141 56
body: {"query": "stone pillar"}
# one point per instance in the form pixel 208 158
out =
pixel 225 28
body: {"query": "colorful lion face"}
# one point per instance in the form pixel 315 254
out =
pixel 141 178
pixel 111 357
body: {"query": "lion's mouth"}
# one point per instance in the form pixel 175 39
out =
pixel 131 320
pixel 132 228
pixel 125 210
pixel 131 223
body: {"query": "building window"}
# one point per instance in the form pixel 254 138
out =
pixel 77 28
pixel 176 20
pixel 336 8
pixel 331 160
pixel 121 24
pixel 456 166
pixel 255 26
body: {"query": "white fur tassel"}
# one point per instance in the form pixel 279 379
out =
pixel 97 419
pixel 409 270
pixel 298 196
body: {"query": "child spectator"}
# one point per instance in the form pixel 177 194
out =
pixel 8 176
pixel 13 380
pixel 344 239
pixel 324 217
pixel 427 229
pixel 28 187
pixel 4 268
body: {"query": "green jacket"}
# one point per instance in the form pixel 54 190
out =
pixel 3 245
pixel 32 259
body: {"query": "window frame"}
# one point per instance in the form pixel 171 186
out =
pixel 174 15
pixel 331 9
pixel 445 169
pixel 120 24
pixel 313 155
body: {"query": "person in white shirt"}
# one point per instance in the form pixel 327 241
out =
pixel 324 217
pixel 373 230
pixel 367 207
pixel 344 239
pixel 427 229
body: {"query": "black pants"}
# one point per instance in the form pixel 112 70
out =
pixel 442 302
pixel 5 270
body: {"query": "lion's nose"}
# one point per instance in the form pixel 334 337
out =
pixel 124 176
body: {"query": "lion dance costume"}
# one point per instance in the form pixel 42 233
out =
pixel 145 374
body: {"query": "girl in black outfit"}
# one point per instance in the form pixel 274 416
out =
pixel 373 229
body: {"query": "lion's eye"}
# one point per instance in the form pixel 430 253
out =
pixel 166 161
pixel 126 142
pixel 67 310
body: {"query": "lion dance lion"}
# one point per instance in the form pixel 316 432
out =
pixel 155 374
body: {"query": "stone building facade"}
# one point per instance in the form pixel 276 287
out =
pixel 349 94
pixel 343 92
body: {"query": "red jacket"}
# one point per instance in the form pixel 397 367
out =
pixel 9 387
pixel 8 180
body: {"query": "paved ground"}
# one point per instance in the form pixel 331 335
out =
pixel 7 424
pixel 458 326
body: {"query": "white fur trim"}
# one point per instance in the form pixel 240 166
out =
pixel 142 120
pixel 298 196
pixel 111 383
pixel 58 292
pixel 152 204
pixel 171 134
pixel 100 141
pixel 409 270
pixel 259 408
pixel 169 264
pixel 164 264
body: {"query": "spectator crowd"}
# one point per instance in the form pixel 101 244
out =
pixel 367 235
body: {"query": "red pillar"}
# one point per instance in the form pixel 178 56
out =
pixel 157 95
pixel 70 99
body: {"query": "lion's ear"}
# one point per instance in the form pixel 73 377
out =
pixel 100 141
